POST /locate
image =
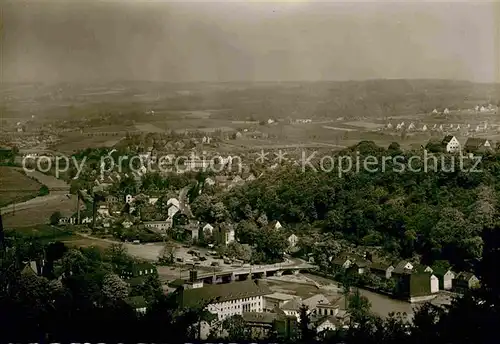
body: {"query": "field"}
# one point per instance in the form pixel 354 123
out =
pixel 39 210
pixel 15 186
pixel 339 114
pixel 46 233
pixel 71 143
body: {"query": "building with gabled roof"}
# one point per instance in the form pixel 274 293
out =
pixel 474 144
pixel 451 144
pixel 227 300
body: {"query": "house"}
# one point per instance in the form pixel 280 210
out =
pixel 451 144
pixel 434 284
pixel 138 270
pixel 359 266
pixel 277 300
pixel 138 303
pixel 381 269
pixel 403 267
pixel 292 308
pixel 342 262
pixel 446 111
pixel 275 224
pixel 292 240
pixel 414 286
pixel 129 199
pixel 261 324
pixel 445 277
pixel 475 144
pixel 465 281
pixel 320 305
pixel 434 112
pixel 327 324
pixel 228 299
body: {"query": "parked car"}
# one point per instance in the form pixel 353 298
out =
pixel 203 259
pixel 214 264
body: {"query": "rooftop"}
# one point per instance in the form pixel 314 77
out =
pixel 280 296
pixel 292 305
pixel 223 292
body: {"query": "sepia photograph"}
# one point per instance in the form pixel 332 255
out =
pixel 303 171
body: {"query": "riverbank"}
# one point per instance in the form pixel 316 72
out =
pixel 311 285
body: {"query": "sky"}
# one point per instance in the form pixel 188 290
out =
pixel 67 40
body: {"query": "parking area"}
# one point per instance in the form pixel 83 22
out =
pixel 202 257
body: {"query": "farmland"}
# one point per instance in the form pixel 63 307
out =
pixel 15 186
pixel 38 210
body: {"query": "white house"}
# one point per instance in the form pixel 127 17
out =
pixel 451 144
pixel 434 284
pixel 434 112
pixel 446 111
pixel 231 298
pixel 293 240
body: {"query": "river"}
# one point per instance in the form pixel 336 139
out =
pixel 380 304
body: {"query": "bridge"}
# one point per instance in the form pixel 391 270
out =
pixel 255 271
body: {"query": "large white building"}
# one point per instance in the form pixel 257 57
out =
pixel 227 299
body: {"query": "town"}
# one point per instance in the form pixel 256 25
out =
pixel 249 171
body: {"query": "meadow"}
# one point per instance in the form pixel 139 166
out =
pixel 15 186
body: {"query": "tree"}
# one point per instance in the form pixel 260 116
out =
pixel 55 217
pixel 306 332
pixel 236 328
pixel 358 306
pixel 44 190
pixel 114 288
pixel 117 255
